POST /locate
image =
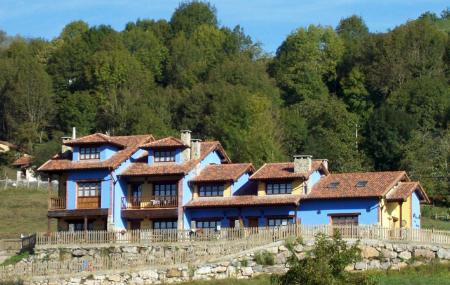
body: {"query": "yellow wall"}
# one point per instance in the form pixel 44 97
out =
pixel 227 190
pixel 195 193
pixel 390 210
pixel 261 188
pixel 298 187
pixel 407 212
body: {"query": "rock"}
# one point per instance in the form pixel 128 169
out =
pixel 280 258
pixel 399 265
pixel 399 247
pixel 301 255
pixel 137 281
pixel 149 274
pixel 385 265
pixel 220 269
pixel 282 248
pixel 360 265
pixel 404 255
pixel 247 271
pixel 443 253
pixel 298 248
pixel 258 268
pixel 114 278
pixel 386 253
pixel 369 252
pixel 274 269
pixel 130 249
pixel 203 270
pixel 75 280
pixel 173 272
pixel 79 252
pixel 273 250
pixel 350 267
pixel 425 253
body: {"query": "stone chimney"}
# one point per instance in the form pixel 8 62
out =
pixel 325 163
pixel 195 148
pixel 64 147
pixel 186 139
pixel 302 163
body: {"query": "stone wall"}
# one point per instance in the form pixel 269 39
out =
pixel 376 255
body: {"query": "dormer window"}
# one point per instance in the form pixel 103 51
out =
pixel 211 190
pixel 164 156
pixel 333 185
pixel 90 152
pixel 361 183
pixel 279 188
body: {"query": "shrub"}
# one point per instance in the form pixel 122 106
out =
pixel 244 263
pixel 264 258
pixel 16 258
pixel 323 265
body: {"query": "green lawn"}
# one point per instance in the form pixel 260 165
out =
pixel 428 211
pixel 23 211
pixel 433 274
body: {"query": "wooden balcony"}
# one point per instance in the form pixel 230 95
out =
pixel 150 202
pixel 57 203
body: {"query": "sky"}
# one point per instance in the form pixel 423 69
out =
pixel 266 21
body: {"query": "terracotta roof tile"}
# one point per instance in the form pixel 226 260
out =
pixel 97 138
pixel 244 200
pixel 164 142
pixel 223 172
pixel 377 184
pixel 171 168
pixel 61 162
pixel 284 170
pixel 24 160
pixel 404 190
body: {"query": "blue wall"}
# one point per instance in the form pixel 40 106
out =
pixel 211 158
pixel 106 151
pixel 313 179
pixel 415 207
pixel 246 212
pixel 239 183
pixel 75 153
pixel 313 212
pixel 74 176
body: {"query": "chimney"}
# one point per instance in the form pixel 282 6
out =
pixel 302 163
pixel 74 133
pixel 195 148
pixel 325 163
pixel 186 139
pixel 64 147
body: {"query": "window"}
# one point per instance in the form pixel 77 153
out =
pixel 361 183
pixel 164 156
pixel 207 224
pixel 278 188
pixel 78 225
pixel 275 222
pixel 166 189
pixel 333 185
pixel 89 189
pixel 136 193
pixel 349 219
pixel 211 190
pixel 89 153
pixel 162 225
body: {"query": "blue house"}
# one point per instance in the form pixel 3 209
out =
pixel 137 182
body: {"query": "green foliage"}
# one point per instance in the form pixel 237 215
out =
pixel 15 258
pixel 264 258
pixel 324 264
pixel 190 15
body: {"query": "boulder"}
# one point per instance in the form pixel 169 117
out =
pixel 369 252
pixel 247 271
pixel 360 265
pixel 203 270
pixel 404 255
pixel 425 253
pixel 115 278
pixel 79 252
pixel 173 272
pixel 387 253
pixel 443 253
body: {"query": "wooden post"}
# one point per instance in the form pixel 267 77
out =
pixel 48 224
pixel 85 228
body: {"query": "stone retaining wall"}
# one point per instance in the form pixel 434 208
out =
pixel 376 255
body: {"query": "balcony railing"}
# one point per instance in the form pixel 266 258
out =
pixel 56 203
pixel 150 202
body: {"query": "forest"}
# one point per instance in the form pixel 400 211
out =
pixel 365 101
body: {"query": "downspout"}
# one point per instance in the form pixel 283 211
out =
pixel 110 220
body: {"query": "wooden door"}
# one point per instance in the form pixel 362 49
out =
pixel 253 222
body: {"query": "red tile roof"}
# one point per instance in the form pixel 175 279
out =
pixel 97 138
pixel 24 160
pixel 404 190
pixel 285 170
pixel 378 184
pixel 61 162
pixel 171 168
pixel 244 200
pixel 223 172
pixel 164 142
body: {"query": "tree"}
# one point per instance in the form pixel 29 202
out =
pixel 306 62
pixel 79 110
pixel 355 94
pixel 190 15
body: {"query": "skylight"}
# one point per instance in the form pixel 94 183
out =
pixel 333 185
pixel 361 183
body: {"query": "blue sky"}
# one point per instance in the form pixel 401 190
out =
pixel 267 21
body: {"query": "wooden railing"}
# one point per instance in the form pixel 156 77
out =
pixel 258 235
pixel 88 202
pixel 56 203
pixel 150 202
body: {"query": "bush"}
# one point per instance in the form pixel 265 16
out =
pixel 324 264
pixel 264 258
pixel 16 258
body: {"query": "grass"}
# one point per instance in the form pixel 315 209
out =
pixel 428 211
pixel 431 274
pixel 23 211
pixel 15 258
